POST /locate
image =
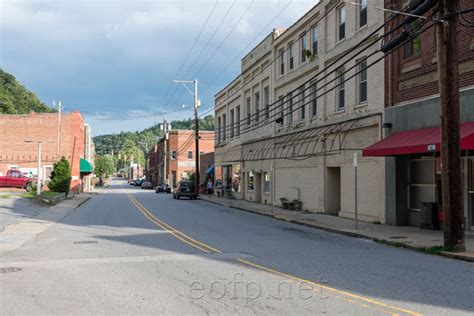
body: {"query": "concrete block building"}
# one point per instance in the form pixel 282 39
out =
pixel 305 102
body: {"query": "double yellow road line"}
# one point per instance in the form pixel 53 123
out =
pixel 346 296
pixel 170 229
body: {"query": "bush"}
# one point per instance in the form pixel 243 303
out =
pixel 60 176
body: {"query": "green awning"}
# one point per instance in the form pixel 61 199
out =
pixel 86 166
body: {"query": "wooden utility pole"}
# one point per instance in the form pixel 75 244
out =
pixel 448 72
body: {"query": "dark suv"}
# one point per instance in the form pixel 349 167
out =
pixel 186 189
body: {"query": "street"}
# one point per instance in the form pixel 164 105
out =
pixel 134 251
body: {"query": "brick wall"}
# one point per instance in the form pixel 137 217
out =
pixel 16 129
pixel 416 77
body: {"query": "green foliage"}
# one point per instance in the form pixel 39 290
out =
pixel 60 176
pixel 133 144
pixel 16 99
pixel 104 165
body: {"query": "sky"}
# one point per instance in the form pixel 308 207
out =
pixel 115 60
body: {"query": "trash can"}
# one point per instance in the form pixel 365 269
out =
pixel 429 217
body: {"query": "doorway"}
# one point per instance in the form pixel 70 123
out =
pixel 258 187
pixel 470 193
pixel 333 193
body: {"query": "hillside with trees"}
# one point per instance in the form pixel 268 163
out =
pixel 16 99
pixel 133 144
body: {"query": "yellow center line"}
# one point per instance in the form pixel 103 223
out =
pixel 365 299
pixel 208 249
pixel 174 229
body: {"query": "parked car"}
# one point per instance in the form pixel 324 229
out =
pixel 147 185
pixel 15 179
pixel 185 189
pixel 138 183
pixel 163 188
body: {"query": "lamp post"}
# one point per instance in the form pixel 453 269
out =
pixel 38 170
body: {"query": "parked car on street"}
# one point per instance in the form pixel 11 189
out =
pixel 163 188
pixel 147 185
pixel 185 189
pixel 15 179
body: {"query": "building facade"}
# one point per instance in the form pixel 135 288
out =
pixel 304 103
pixel 412 114
pixel 20 137
pixel 179 156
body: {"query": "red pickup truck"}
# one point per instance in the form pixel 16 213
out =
pixel 16 179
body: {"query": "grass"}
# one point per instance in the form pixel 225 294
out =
pixel 435 250
pixel 44 194
pixel 5 196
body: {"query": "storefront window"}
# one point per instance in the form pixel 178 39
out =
pixel 266 182
pixel 236 178
pixel 421 186
pixel 250 181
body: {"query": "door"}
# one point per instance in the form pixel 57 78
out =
pixel 15 179
pixel 333 192
pixel 470 194
pixel 258 187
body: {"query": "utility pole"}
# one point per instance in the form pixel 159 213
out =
pixel 448 73
pixel 59 129
pixel 165 130
pixel 196 123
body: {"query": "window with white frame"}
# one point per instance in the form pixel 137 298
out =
pixel 249 111
pixel 190 154
pixel 362 76
pixel 302 104
pixel 281 53
pixel 290 56
pixel 257 107
pixel 237 129
pixel 232 123
pixel 362 13
pixel 266 182
pixel 281 109
pixel 219 130
pixel 173 155
pixel 314 99
pixel 266 99
pixel 314 38
pixel 341 89
pixel 224 127
pixel 290 108
pixel 303 48
pixel 341 22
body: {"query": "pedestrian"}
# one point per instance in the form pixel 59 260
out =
pixel 209 186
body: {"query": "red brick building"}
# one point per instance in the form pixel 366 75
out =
pixel 180 157
pixel 20 134
pixel 412 122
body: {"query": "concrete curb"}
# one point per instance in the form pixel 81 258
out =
pixel 346 233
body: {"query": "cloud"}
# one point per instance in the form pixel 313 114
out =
pixel 121 56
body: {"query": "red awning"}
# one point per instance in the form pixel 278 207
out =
pixel 418 141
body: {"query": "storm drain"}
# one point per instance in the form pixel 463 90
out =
pixel 9 269
pixel 398 237
pixel 85 242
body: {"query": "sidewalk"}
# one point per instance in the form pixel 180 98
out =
pixel 16 234
pixel 400 236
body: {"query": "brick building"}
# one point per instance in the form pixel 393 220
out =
pixel 180 157
pixel 412 123
pixel 20 134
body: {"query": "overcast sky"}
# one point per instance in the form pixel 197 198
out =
pixel 115 60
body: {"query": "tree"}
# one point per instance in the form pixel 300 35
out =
pixel 104 166
pixel 60 176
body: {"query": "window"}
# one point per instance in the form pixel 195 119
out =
pixel 362 81
pixel 47 171
pixel 290 55
pixel 250 181
pixel 201 153
pixel 266 99
pixel 341 89
pixel 413 46
pixel 362 13
pixel 232 118
pixel 281 53
pixel 266 182
pixel 303 48
pixel 281 109
pixel 341 21
pixel 249 109
pixel 302 104
pixel 290 108
pixel 257 107
pixel 173 155
pixel 314 36
pixel 219 130
pixel 237 130
pixel 190 154
pixel 224 127
pixel 314 100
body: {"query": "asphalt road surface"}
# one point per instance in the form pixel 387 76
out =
pixel 128 251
